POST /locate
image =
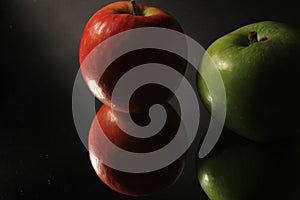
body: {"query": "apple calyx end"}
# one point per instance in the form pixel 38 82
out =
pixel 252 37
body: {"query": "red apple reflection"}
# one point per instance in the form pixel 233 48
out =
pixel 133 184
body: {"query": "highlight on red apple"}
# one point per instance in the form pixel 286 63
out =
pixel 115 18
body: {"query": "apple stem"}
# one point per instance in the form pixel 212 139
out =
pixel 252 37
pixel 133 6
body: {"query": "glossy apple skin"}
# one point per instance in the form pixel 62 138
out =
pixel 133 184
pixel 240 169
pixel 115 18
pixel 261 80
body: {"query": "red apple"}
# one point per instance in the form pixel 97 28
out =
pixel 116 18
pixel 133 184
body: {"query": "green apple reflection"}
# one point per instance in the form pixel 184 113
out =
pixel 238 169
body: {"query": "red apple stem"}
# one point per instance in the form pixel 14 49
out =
pixel 133 7
pixel 252 37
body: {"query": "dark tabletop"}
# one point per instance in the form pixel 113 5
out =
pixel 41 155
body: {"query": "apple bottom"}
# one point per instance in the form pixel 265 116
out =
pixel 240 169
pixel 140 184
pixel 133 184
pixel 145 95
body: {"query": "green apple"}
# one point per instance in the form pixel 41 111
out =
pixel 259 65
pixel 238 169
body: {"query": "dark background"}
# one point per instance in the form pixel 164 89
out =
pixel 41 155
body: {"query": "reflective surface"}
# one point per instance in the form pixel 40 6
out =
pixel 38 140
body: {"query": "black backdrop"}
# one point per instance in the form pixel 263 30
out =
pixel 41 155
